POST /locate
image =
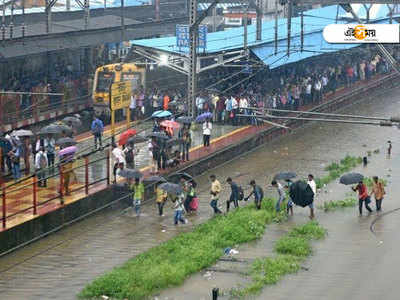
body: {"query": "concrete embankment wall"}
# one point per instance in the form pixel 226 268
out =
pixel 57 219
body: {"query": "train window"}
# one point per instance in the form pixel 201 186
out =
pixel 104 80
pixel 134 77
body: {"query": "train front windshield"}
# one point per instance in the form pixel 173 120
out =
pixel 134 77
pixel 104 81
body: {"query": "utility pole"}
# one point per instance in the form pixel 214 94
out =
pixel 3 23
pixel 214 15
pixel 193 41
pixel 289 25
pixel 48 16
pixel 245 20
pixel 276 27
pixel 87 13
pixel 302 30
pixel 23 20
pixel 122 21
pixel 259 19
pixel 194 23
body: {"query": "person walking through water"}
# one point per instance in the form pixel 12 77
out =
pixel 207 127
pixel 215 191
pixel 289 206
pixel 378 191
pixel 281 194
pixel 257 192
pixel 178 206
pixel 97 128
pixel 138 195
pixel 313 186
pixel 389 149
pixel 362 197
pixel 234 194
pixel 161 198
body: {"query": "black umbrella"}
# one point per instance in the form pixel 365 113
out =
pixel 285 176
pixel 171 188
pixel 351 178
pixel 55 129
pixel 159 135
pixel 301 193
pixel 155 179
pixel 130 173
pixel 66 141
pixel 185 120
pixel 73 121
pixel 136 139
pixel 176 178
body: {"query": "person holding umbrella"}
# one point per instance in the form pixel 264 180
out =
pixel 97 128
pixel 313 186
pixel 41 163
pixel 362 196
pixel 207 127
pixel 50 147
pixel 257 192
pixel 161 198
pixel 138 195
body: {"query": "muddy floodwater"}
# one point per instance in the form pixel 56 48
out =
pixel 352 262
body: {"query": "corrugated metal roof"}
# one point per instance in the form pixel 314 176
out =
pixel 315 20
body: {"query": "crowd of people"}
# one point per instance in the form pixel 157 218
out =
pixel 289 87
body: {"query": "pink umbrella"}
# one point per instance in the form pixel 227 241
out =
pixel 68 151
pixel 170 124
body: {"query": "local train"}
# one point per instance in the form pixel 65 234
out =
pixel 108 74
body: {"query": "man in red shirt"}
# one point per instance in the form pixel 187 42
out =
pixel 362 196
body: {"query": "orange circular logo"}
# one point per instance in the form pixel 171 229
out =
pixel 360 32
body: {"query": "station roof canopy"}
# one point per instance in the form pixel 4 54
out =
pixel 314 44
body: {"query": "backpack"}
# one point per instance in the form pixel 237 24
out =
pixel 241 193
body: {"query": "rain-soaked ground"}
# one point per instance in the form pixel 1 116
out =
pixel 351 262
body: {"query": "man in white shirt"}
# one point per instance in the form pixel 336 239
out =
pixel 308 92
pixel 207 127
pixel 119 159
pixel 313 187
pixel 243 105
pixel 41 164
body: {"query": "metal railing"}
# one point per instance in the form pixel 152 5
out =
pixel 59 181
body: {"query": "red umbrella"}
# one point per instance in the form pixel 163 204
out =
pixel 170 124
pixel 125 136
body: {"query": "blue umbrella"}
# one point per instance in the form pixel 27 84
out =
pixel 161 114
pixel 204 116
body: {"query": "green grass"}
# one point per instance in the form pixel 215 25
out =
pixel 170 263
pixel 292 249
pixel 334 205
pixel 336 169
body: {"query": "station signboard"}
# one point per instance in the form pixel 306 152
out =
pixel 120 95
